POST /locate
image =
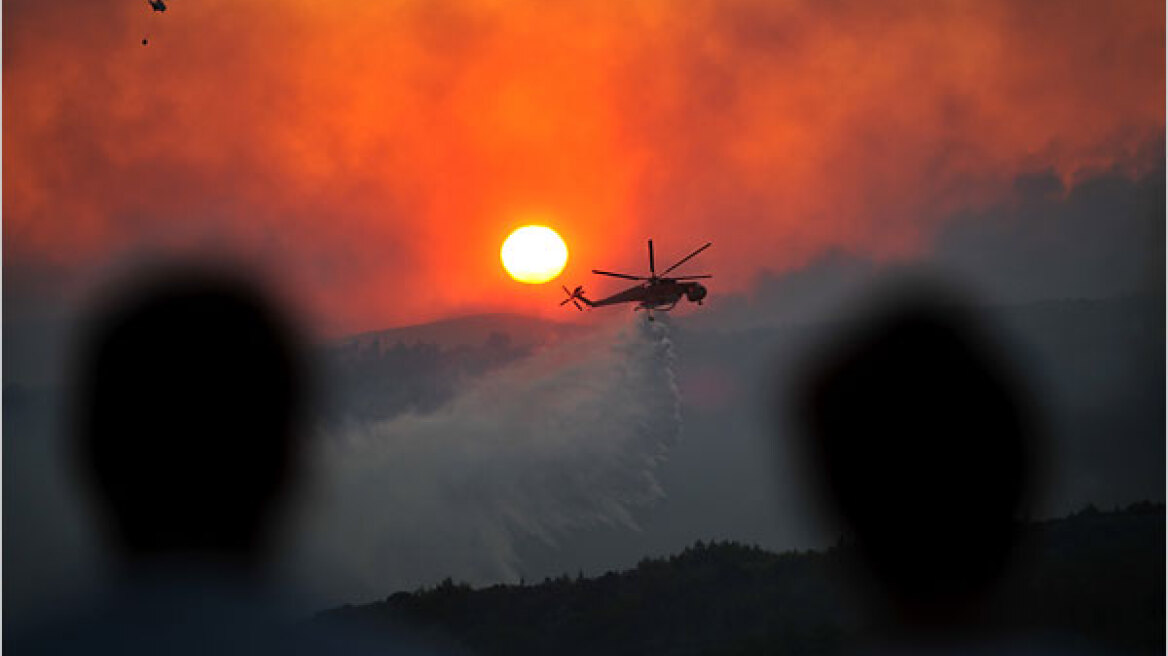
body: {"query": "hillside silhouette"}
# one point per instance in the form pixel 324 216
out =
pixel 381 374
pixel 1092 580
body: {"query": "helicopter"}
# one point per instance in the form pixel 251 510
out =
pixel 157 6
pixel 656 291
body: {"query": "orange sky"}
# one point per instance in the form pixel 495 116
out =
pixel 374 155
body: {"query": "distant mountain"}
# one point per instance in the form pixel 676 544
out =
pixel 378 375
pixel 1093 579
pixel 472 330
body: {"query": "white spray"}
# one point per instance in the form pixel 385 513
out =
pixel 567 438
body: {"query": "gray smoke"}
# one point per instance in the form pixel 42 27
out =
pixel 567 438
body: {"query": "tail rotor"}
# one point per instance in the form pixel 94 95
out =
pixel 572 296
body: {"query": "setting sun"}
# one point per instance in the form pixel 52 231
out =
pixel 534 254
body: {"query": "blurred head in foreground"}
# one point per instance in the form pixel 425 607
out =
pixel 922 439
pixel 188 393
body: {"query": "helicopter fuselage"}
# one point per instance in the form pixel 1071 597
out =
pixel 656 294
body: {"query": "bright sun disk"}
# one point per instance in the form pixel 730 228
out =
pixel 534 254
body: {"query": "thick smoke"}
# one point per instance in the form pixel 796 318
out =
pixel 567 438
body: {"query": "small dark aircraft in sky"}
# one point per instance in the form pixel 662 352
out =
pixel 655 292
pixel 156 5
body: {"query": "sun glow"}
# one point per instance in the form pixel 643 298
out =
pixel 534 254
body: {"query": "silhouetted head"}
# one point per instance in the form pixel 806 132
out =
pixel 923 441
pixel 188 394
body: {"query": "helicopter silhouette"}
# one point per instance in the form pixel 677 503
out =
pixel 157 6
pixel 656 292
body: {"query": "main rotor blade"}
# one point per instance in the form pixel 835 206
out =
pixel 577 305
pixel 687 258
pixel 652 270
pixel 566 301
pixel 693 277
pixel 618 275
